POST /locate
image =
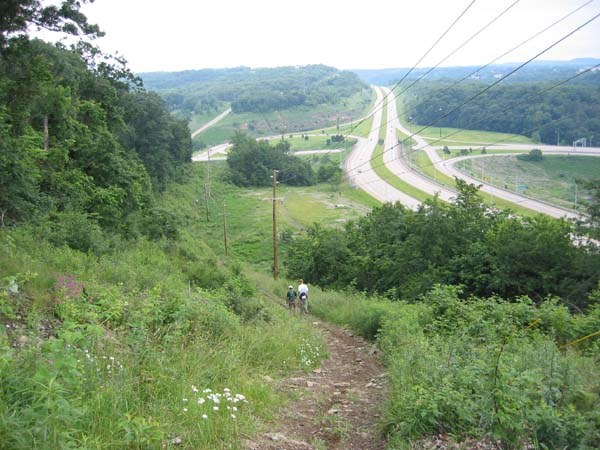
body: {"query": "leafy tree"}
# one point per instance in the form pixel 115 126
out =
pixel 162 141
pixel 252 162
pixel 17 15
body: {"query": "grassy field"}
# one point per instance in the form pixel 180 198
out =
pixel 297 142
pixel 197 120
pixel 421 161
pixel 468 137
pixel 287 121
pixel 463 137
pixel 552 180
pixel 249 213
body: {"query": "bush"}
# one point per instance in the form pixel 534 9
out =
pixel 533 155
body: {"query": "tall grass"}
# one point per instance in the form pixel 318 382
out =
pixel 480 368
pixel 113 350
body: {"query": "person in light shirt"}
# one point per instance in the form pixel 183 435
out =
pixel 303 296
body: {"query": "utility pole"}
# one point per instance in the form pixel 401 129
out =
pixel 206 201
pixel 207 187
pixel 46 138
pixel 208 172
pixel 225 227
pixel 275 264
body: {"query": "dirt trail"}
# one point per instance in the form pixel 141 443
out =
pixel 338 404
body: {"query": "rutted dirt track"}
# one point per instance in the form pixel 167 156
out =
pixel 339 404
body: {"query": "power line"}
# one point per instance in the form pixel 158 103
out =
pixel 525 100
pixel 473 36
pixel 516 47
pixel 489 63
pixel 377 106
pixel 483 91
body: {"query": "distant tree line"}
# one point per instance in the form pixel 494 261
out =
pixel 565 113
pixel 402 253
pixel 254 90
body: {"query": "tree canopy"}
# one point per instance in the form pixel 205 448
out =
pixel 80 141
pixel 403 253
pixel 252 162
pixel 565 113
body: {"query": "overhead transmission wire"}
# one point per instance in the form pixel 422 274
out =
pixel 379 105
pixel 473 36
pixel 518 104
pixel 526 99
pixel 483 91
pixel 516 47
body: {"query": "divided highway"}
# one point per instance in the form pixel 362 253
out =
pixel 359 167
pixel 360 171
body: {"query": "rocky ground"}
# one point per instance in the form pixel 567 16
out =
pixel 338 405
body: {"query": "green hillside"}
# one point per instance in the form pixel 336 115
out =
pixel 140 307
pixel 264 101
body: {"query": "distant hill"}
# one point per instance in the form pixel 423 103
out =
pixel 535 71
pixel 254 90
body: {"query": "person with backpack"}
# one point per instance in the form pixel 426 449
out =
pixel 303 296
pixel 291 298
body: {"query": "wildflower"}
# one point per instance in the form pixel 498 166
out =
pixel 201 400
pixel 185 399
pixel 215 408
pixel 204 416
pixel 206 391
pixel 233 416
pixel 185 410
pixel 194 389
pixel 235 408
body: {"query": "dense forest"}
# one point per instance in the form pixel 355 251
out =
pixel 83 145
pixel 253 90
pixel 566 113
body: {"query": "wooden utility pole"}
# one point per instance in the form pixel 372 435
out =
pixel 207 187
pixel 275 264
pixel 46 138
pixel 206 201
pixel 225 227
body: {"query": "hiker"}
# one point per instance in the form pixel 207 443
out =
pixel 303 296
pixel 291 298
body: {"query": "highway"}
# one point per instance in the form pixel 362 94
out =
pixel 359 170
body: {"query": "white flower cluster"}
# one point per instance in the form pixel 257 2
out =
pixel 310 353
pixel 108 363
pixel 210 402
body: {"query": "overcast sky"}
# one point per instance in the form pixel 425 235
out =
pixel 348 34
